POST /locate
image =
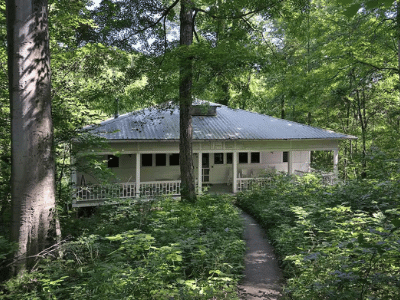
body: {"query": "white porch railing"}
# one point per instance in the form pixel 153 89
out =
pixel 98 192
pixel 244 184
pixel 327 178
pixel 102 192
pixel 157 188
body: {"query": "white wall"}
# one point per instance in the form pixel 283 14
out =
pixel 219 173
pixel 273 160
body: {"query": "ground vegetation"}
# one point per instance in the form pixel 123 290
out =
pixel 334 242
pixel 158 249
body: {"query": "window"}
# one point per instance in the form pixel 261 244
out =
pixel 147 160
pixel 285 156
pixel 218 158
pixel 112 161
pixel 229 158
pixel 255 157
pixel 243 158
pixel 174 159
pixel 161 159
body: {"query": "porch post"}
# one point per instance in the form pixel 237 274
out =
pixel 73 172
pixel 290 162
pixel 336 162
pixel 199 174
pixel 138 163
pixel 74 182
pixel 234 172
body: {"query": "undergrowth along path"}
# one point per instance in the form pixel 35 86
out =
pixel 262 275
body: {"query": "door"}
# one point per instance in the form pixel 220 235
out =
pixel 205 172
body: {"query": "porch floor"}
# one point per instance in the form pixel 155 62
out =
pixel 217 189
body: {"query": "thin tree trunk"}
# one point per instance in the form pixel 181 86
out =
pixel 283 113
pixel 33 171
pixel 188 190
pixel 363 123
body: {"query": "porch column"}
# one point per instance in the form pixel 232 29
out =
pixel 290 162
pixel 335 162
pixel 234 172
pixel 73 172
pixel 74 182
pixel 138 163
pixel 199 174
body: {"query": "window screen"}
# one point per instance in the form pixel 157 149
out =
pixel 285 156
pixel 174 159
pixel 255 157
pixel 147 160
pixel 229 158
pixel 161 159
pixel 113 161
pixel 218 158
pixel 243 158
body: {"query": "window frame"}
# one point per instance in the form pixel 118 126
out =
pixel 258 155
pixel 285 156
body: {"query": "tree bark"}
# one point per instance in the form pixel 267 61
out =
pixel 361 111
pixel 188 191
pixel 33 168
pixel 398 38
pixel 283 113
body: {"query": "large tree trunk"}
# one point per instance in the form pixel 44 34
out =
pixel 188 190
pixel 33 169
pixel 398 37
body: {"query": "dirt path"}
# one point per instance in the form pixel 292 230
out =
pixel 263 278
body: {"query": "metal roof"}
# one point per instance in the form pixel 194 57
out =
pixel 162 123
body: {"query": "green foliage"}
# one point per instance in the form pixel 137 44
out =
pixel 307 77
pixel 354 6
pixel 6 248
pixel 337 242
pixel 143 250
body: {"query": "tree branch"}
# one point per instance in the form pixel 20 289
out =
pixel 164 14
pixel 194 29
pixel 226 17
pixel 42 254
pixel 262 34
pixel 376 67
pixel 69 70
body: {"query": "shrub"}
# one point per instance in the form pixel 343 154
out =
pixel 163 249
pixel 338 242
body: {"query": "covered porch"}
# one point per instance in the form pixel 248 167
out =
pixel 154 173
